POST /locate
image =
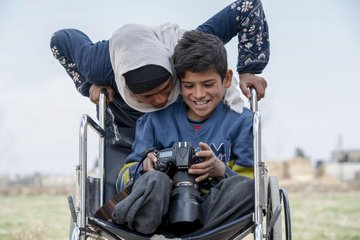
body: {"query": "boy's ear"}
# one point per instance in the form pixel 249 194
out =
pixel 228 78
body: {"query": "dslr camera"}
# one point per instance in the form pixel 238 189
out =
pixel 185 212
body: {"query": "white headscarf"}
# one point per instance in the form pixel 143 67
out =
pixel 133 46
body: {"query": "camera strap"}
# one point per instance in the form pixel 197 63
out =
pixel 108 208
pixel 105 211
pixel 143 157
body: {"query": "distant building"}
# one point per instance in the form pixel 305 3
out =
pixel 344 165
pixel 4 181
pixel 297 169
pixel 346 156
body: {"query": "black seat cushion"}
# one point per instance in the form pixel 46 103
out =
pixel 225 231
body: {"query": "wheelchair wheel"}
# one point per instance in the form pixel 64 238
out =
pixel 273 211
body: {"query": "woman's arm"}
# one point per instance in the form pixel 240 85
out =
pixel 87 63
pixel 246 19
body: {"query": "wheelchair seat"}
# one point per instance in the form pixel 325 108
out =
pixel 225 231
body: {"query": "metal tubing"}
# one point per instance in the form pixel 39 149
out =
pixel 85 121
pixel 243 234
pixel 83 173
pixel 257 170
pixel 253 100
pixel 258 232
pixel 102 107
pixel 258 166
pixel 256 159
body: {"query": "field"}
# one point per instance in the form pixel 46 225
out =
pixel 331 216
pixel 34 217
pixel 315 216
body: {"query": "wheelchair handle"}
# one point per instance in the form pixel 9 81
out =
pixel 253 100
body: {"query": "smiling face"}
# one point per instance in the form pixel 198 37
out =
pixel 202 92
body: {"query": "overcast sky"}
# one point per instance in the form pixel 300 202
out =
pixel 312 99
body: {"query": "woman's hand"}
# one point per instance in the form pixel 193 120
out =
pixel 248 80
pixel 94 93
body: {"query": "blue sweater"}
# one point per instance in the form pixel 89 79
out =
pixel 228 133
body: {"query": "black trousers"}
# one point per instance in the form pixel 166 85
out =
pixel 147 205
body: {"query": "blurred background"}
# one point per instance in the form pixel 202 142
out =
pixel 310 114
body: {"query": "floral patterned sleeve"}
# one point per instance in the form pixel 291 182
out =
pixel 85 62
pixel 246 19
pixel 80 82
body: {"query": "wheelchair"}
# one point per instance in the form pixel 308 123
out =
pixel 269 220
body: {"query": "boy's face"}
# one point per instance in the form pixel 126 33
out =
pixel 158 96
pixel 202 92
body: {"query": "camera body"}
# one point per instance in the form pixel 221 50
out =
pixel 185 211
pixel 180 157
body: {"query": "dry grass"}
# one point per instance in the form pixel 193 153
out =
pixel 33 217
pixel 325 215
pixel 315 215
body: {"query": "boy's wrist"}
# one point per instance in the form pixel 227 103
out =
pixel 222 170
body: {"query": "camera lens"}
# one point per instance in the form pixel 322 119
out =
pixel 185 212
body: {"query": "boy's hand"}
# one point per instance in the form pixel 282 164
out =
pixel 94 92
pixel 149 162
pixel 248 80
pixel 211 167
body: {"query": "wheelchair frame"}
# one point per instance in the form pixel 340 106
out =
pixel 265 221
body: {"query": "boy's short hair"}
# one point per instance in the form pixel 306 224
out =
pixel 198 52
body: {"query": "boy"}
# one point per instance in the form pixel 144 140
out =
pixel 202 118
